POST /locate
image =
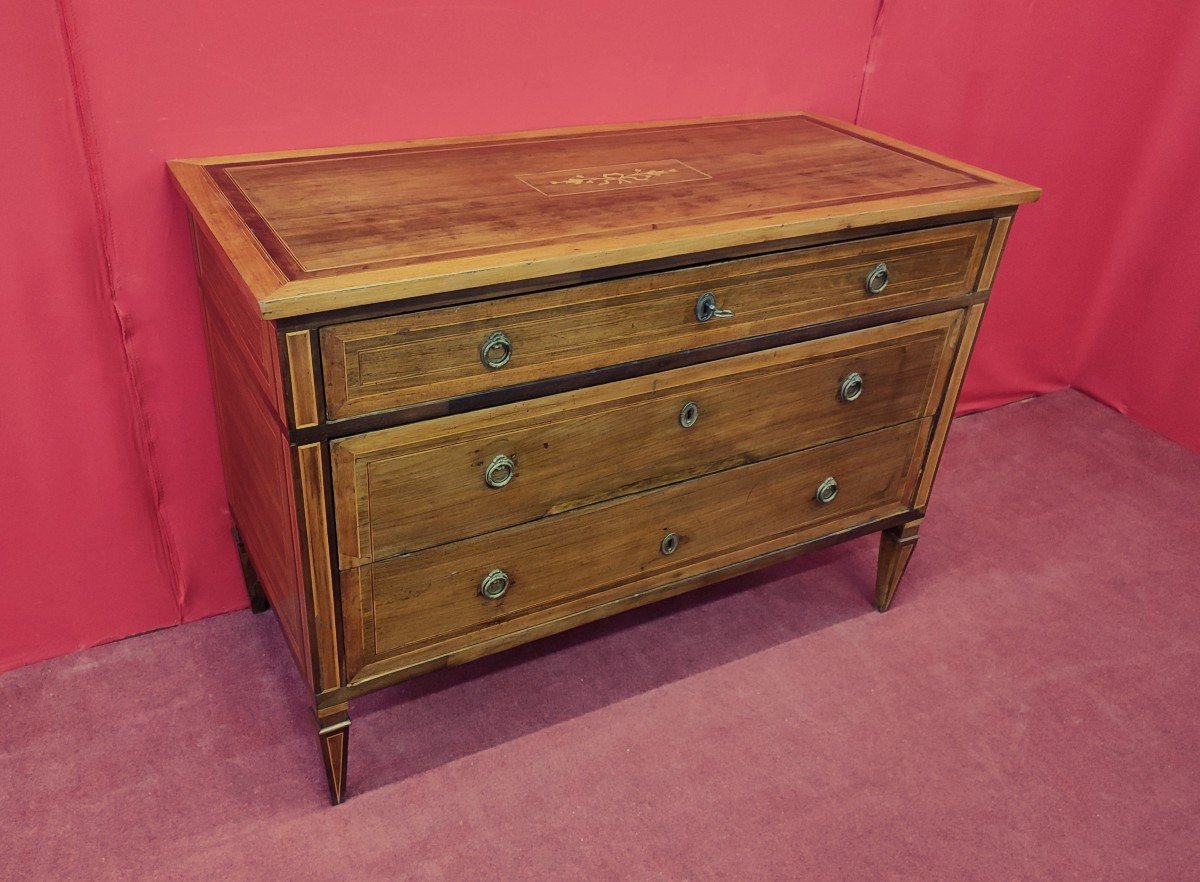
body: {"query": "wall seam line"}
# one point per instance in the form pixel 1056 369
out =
pixel 869 61
pixel 168 551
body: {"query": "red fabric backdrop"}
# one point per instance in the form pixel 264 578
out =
pixel 115 511
pixel 114 519
pixel 1098 103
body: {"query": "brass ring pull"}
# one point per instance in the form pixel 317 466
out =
pixel 499 472
pixel 494 584
pixel 688 414
pixel 496 350
pixel 827 491
pixel 877 279
pixel 706 308
pixel 851 388
pixel 669 543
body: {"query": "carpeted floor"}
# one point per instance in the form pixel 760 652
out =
pixel 1029 709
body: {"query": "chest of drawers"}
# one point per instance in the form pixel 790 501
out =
pixel 475 391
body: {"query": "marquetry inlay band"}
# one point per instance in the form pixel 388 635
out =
pixel 612 178
pixel 310 466
pixel 300 372
pixel 999 236
pixel 954 385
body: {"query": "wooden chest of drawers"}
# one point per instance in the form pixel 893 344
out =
pixel 475 391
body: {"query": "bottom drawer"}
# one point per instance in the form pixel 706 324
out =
pixel 415 607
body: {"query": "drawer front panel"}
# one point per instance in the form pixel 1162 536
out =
pixel 392 362
pixel 411 487
pixel 414 607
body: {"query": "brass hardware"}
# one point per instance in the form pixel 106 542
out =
pixel 494 585
pixel 669 543
pixel 496 350
pixel 706 308
pixel 827 491
pixel 877 279
pixel 499 471
pixel 851 387
pixel 688 414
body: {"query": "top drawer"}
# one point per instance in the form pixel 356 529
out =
pixel 402 360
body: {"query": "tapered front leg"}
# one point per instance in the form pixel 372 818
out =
pixel 254 588
pixel 333 733
pixel 895 548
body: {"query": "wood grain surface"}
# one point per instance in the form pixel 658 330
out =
pixel 970 331
pixel 306 409
pixel 347 294
pixel 426 603
pixel 312 499
pixel 359 226
pixel 403 489
pixel 256 460
pixel 896 547
pixel 995 249
pixel 253 339
pixel 405 359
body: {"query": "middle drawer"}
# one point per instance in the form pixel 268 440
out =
pixel 410 487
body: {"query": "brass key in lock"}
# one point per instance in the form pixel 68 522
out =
pixel 706 307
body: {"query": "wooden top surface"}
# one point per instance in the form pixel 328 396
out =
pixel 316 230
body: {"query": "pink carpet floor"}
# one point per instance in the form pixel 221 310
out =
pixel 1029 709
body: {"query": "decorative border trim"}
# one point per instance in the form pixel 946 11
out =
pixel 313 509
pixel 946 416
pixel 223 174
pixel 612 178
pixel 995 249
pixel 305 410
